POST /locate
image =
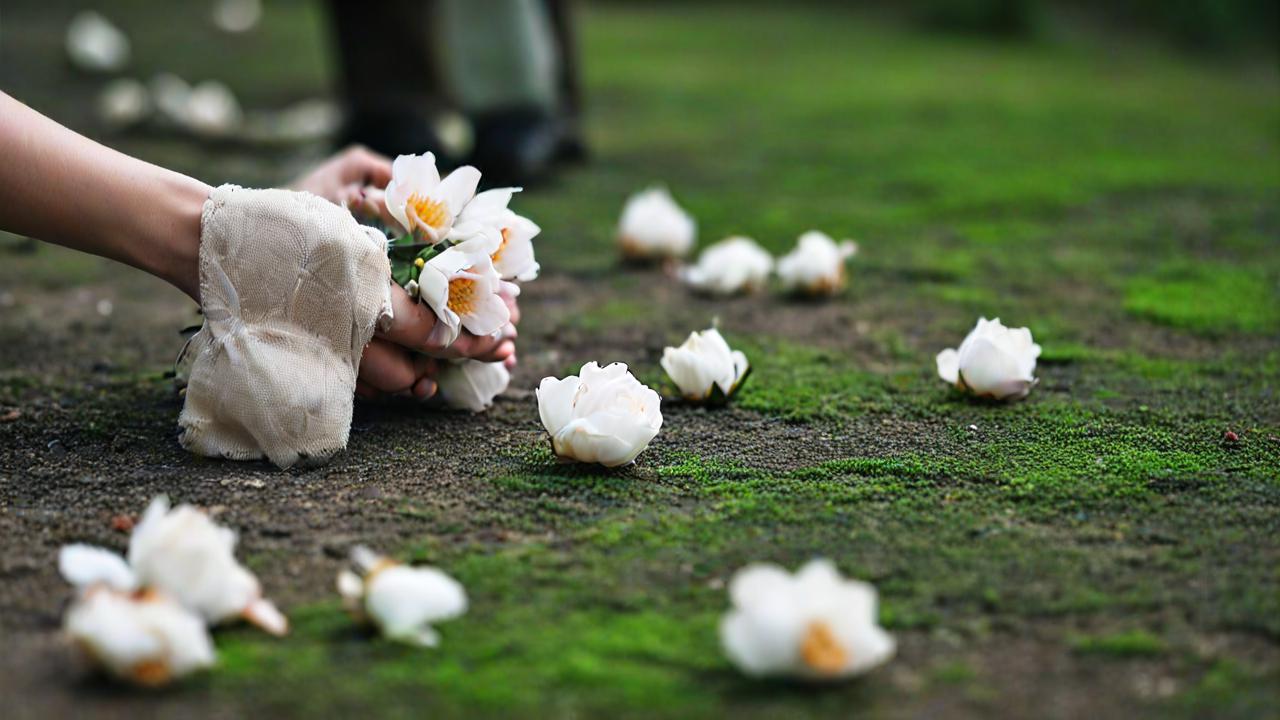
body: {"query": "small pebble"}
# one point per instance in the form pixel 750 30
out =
pixel 973 428
pixel 1231 437
pixel 122 523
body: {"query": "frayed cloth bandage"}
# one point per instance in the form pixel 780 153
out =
pixel 292 288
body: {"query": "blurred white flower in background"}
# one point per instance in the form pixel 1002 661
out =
pixel 471 384
pixel 141 637
pixel 653 226
pixel 704 367
pixel 730 266
pixel 94 44
pixel 402 601
pixel 993 361
pixel 236 16
pixel 813 625
pixel 602 415
pixel 213 110
pixel 816 265
pixel 124 103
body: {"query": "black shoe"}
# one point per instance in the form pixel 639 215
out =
pixel 517 146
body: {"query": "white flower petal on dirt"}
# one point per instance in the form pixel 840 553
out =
pixel 602 415
pixel 704 363
pixel 472 385
pixel 462 289
pixel 733 265
pixel 653 226
pixel 422 202
pixel 184 554
pixel 85 566
pixel 402 601
pixel 95 44
pixel 814 625
pixel 144 638
pixel 993 361
pixel 816 265
pixel 124 102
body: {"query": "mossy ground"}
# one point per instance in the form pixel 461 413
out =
pixel 1099 549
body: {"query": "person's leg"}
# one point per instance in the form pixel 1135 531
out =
pixel 392 81
pixel 569 80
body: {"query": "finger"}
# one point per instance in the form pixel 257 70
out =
pixel 424 388
pixel 375 203
pixel 367 166
pixel 366 390
pixel 513 307
pixel 411 322
pixel 387 367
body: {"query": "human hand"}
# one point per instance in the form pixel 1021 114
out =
pixel 344 178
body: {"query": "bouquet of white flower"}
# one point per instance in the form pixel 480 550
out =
pixel 458 252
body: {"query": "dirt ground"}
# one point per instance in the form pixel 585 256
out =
pixel 1097 550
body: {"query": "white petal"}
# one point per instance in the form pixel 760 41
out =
pixel 555 401
pixel 948 362
pixel 458 188
pixel 472 385
pixel 85 565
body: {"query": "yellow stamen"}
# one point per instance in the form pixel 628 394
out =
pixel 462 295
pixel 506 237
pixel 150 673
pixel 419 262
pixel 820 650
pixel 378 567
pixel 431 213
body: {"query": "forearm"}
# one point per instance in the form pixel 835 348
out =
pixel 62 187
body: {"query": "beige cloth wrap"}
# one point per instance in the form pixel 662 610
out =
pixel 292 288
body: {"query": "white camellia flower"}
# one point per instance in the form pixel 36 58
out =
pixel 124 102
pixel 424 204
pixel 704 366
pixel 471 384
pixel 653 226
pixel 493 228
pixel 142 637
pixel 732 265
pixel 462 287
pixel 602 415
pixel 813 625
pixel 816 265
pixel 184 555
pixel 187 556
pixel 212 110
pixel 95 44
pixel 993 361
pixel 402 601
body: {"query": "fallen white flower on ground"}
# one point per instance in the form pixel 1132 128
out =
pixel 142 637
pixel 602 415
pixel 816 265
pixel 212 110
pixel 472 385
pixel 993 361
pixel 95 44
pixel 184 555
pixel 424 204
pixel 732 265
pixel 705 368
pixel 236 16
pixel 813 625
pixel 653 226
pixel 402 601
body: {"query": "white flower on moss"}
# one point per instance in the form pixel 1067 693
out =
pixel 733 265
pixel 993 361
pixel 602 415
pixel 705 366
pixel 124 103
pixel 402 601
pixel 816 265
pixel 471 384
pixel 813 625
pixel 462 288
pixel 142 637
pixel 653 226
pixel 422 202
pixel 212 110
